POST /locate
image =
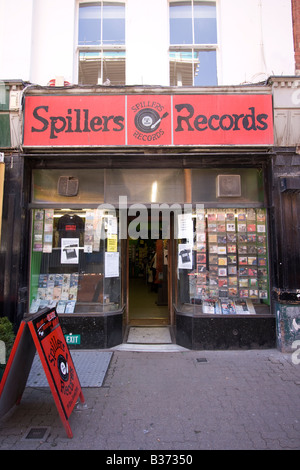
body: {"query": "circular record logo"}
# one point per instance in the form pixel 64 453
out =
pixel 148 120
pixel 63 367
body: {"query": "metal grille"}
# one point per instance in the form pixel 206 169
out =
pixel 37 433
pixel 201 359
pixel 67 186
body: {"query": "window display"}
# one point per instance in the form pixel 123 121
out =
pixel 75 261
pixel 222 265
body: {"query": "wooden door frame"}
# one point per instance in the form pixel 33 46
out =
pixel 125 275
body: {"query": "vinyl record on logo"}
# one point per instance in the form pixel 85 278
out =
pixel 146 119
pixel 63 368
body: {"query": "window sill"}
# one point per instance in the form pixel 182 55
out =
pixel 95 311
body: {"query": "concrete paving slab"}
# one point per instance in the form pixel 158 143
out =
pixel 171 402
pixel 91 367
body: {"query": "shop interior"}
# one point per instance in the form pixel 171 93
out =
pixel 148 282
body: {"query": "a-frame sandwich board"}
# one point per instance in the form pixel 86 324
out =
pixel 41 332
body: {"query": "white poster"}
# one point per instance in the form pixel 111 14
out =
pixel 69 251
pixel 112 264
pixel 185 258
pixel 112 226
pixel 89 232
pixel 185 226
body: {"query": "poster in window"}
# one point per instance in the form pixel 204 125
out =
pixel 112 264
pixel 112 243
pixel 48 231
pixel 69 251
pixel 38 227
pixel 112 226
pixel 185 260
pixel 89 232
pixel 185 226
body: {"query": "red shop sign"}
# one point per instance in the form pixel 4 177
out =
pixel 151 120
pixel 74 121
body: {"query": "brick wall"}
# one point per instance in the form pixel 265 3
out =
pixel 296 27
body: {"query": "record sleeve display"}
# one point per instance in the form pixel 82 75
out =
pixel 230 271
pixel 68 261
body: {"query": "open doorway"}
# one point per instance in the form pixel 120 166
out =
pixel 148 282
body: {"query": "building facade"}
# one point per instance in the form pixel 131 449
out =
pixel 137 42
pixel 152 170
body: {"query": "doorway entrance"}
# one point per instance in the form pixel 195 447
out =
pixel 148 282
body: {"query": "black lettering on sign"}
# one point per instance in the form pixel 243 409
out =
pixel 187 121
pixel 75 120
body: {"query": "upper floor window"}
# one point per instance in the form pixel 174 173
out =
pixel 193 43
pixel 101 43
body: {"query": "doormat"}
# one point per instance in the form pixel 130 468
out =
pixel 91 368
pixel 149 335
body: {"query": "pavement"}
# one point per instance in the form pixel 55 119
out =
pixel 171 400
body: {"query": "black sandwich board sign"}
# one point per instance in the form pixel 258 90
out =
pixel 41 332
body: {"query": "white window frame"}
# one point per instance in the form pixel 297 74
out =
pixel 101 48
pixel 193 47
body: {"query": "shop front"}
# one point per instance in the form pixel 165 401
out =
pixel 151 209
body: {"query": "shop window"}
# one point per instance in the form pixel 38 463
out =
pixel 145 185
pixel 215 186
pixel 193 43
pixel 63 188
pixel 75 261
pixel 101 43
pixel 222 261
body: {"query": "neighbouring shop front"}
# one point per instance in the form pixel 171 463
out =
pixel 151 208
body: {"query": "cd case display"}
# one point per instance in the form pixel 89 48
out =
pixel 230 270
